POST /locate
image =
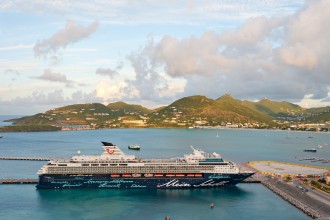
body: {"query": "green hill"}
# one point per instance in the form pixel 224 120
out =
pixel 244 108
pixel 184 112
pixel 122 106
pixel 193 109
pixel 278 108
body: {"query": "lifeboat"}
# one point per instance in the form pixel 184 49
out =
pixel 158 175
pixel 180 175
pixel 148 175
pixel 136 175
pixel 115 175
pixel 170 175
pixel 190 175
pixel 198 175
pixel 126 175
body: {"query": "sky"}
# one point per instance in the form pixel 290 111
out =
pixel 153 52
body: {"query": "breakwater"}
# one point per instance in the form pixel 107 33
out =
pixel 314 208
pixel 27 158
pixel 18 181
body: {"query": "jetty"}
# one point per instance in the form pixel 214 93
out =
pixel 271 175
pixel 27 158
pixel 18 181
pixel 311 206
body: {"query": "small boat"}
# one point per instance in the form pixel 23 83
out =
pixel 170 175
pixel 313 150
pixel 179 175
pixel 115 175
pixel 134 147
pixel 158 175
pixel 148 175
pixel 136 175
pixel 126 175
pixel 190 175
pixel 198 175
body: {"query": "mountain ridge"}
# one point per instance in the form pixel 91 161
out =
pixel 184 112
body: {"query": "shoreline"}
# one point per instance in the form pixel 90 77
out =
pixel 9 129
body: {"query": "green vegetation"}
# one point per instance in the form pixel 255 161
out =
pixel 185 112
pixel 29 128
pixel 321 185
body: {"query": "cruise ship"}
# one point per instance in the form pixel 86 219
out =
pixel 113 169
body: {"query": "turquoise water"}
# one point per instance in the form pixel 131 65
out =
pixel 244 201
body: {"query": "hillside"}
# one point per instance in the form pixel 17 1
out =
pixel 202 110
pixel 184 112
pixel 246 108
pixel 122 106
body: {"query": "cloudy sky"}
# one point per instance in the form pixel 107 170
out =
pixel 56 53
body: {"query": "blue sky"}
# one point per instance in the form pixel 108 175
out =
pixel 56 53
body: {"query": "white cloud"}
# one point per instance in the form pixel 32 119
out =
pixel 41 101
pixel 108 72
pixel 115 90
pixel 50 76
pixel 273 57
pixel 307 40
pixel 70 34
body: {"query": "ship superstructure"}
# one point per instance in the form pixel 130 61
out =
pixel 114 169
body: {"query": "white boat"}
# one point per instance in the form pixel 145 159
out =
pixel 134 147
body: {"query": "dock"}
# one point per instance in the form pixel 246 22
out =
pixel 311 206
pixel 271 175
pixel 18 181
pixel 27 158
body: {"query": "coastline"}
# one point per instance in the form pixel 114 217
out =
pixel 45 128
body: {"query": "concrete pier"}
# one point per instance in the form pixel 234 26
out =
pixel 311 205
pixel 18 181
pixel 27 158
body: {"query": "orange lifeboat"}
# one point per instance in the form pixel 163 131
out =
pixel 190 175
pixel 158 175
pixel 126 175
pixel 170 175
pixel 115 175
pixel 198 175
pixel 136 175
pixel 148 175
pixel 179 175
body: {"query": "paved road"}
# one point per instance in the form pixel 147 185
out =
pixel 313 192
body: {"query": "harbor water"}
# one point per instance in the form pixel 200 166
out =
pixel 244 201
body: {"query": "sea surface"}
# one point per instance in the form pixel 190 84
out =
pixel 244 201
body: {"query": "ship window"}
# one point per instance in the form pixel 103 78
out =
pixel 104 164
pixel 96 164
pixel 62 165
pixel 123 164
pixel 85 164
